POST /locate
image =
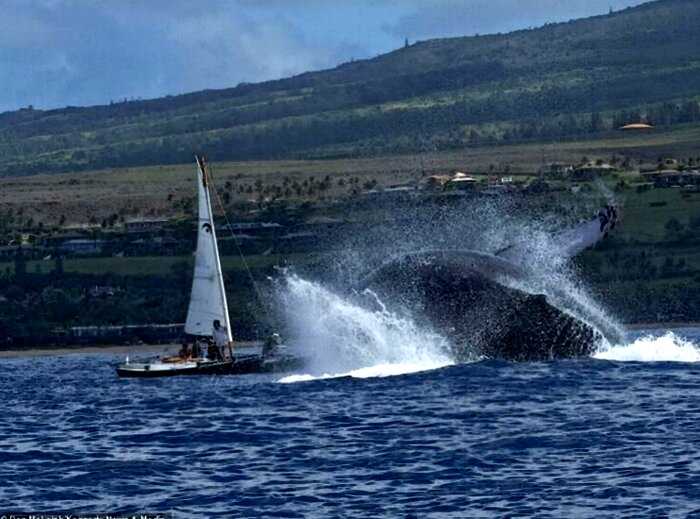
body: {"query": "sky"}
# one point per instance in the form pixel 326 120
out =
pixel 56 53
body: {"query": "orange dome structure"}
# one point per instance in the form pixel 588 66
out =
pixel 637 126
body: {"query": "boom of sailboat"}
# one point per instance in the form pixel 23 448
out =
pixel 210 348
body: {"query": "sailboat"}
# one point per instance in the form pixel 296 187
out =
pixel 208 321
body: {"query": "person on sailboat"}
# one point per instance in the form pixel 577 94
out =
pixel 271 345
pixel 220 334
pixel 184 352
pixel 214 352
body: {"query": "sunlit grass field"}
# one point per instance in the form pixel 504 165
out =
pixel 161 190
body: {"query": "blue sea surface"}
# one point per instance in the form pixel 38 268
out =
pixel 586 438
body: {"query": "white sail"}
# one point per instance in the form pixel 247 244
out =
pixel 208 297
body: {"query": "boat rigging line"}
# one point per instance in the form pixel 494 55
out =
pixel 256 288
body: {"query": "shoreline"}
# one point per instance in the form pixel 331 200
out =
pixel 82 350
pixel 132 349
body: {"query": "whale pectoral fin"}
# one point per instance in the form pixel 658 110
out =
pixel 586 234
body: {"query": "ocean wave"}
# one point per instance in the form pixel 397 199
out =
pixel 668 347
pixel 380 370
pixel 622 436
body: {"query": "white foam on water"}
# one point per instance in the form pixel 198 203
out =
pixel 653 348
pixel 341 338
pixel 378 371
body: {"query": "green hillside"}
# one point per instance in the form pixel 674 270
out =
pixel 556 82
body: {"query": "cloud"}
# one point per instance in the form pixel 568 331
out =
pixel 444 18
pixel 77 52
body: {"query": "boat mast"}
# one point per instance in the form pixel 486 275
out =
pixel 201 163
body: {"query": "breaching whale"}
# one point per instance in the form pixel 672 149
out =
pixel 478 300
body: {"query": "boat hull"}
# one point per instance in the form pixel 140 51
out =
pixel 243 365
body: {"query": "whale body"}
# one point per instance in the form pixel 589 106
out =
pixel 465 296
pixel 477 300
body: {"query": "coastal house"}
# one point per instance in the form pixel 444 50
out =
pixel 672 178
pixel 145 225
pixel 461 182
pixel 82 246
pixel 665 165
pixel 557 170
pixel 669 164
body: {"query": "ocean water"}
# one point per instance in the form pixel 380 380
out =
pixel 612 436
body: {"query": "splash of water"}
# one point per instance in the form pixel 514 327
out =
pixel 380 370
pixel 547 269
pixel 341 338
pixel 649 348
pixel 565 292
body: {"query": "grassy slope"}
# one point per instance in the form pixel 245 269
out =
pixel 645 222
pixel 141 191
pixel 438 90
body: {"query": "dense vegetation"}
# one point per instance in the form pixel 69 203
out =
pixel 38 306
pixel 558 81
pixel 648 270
